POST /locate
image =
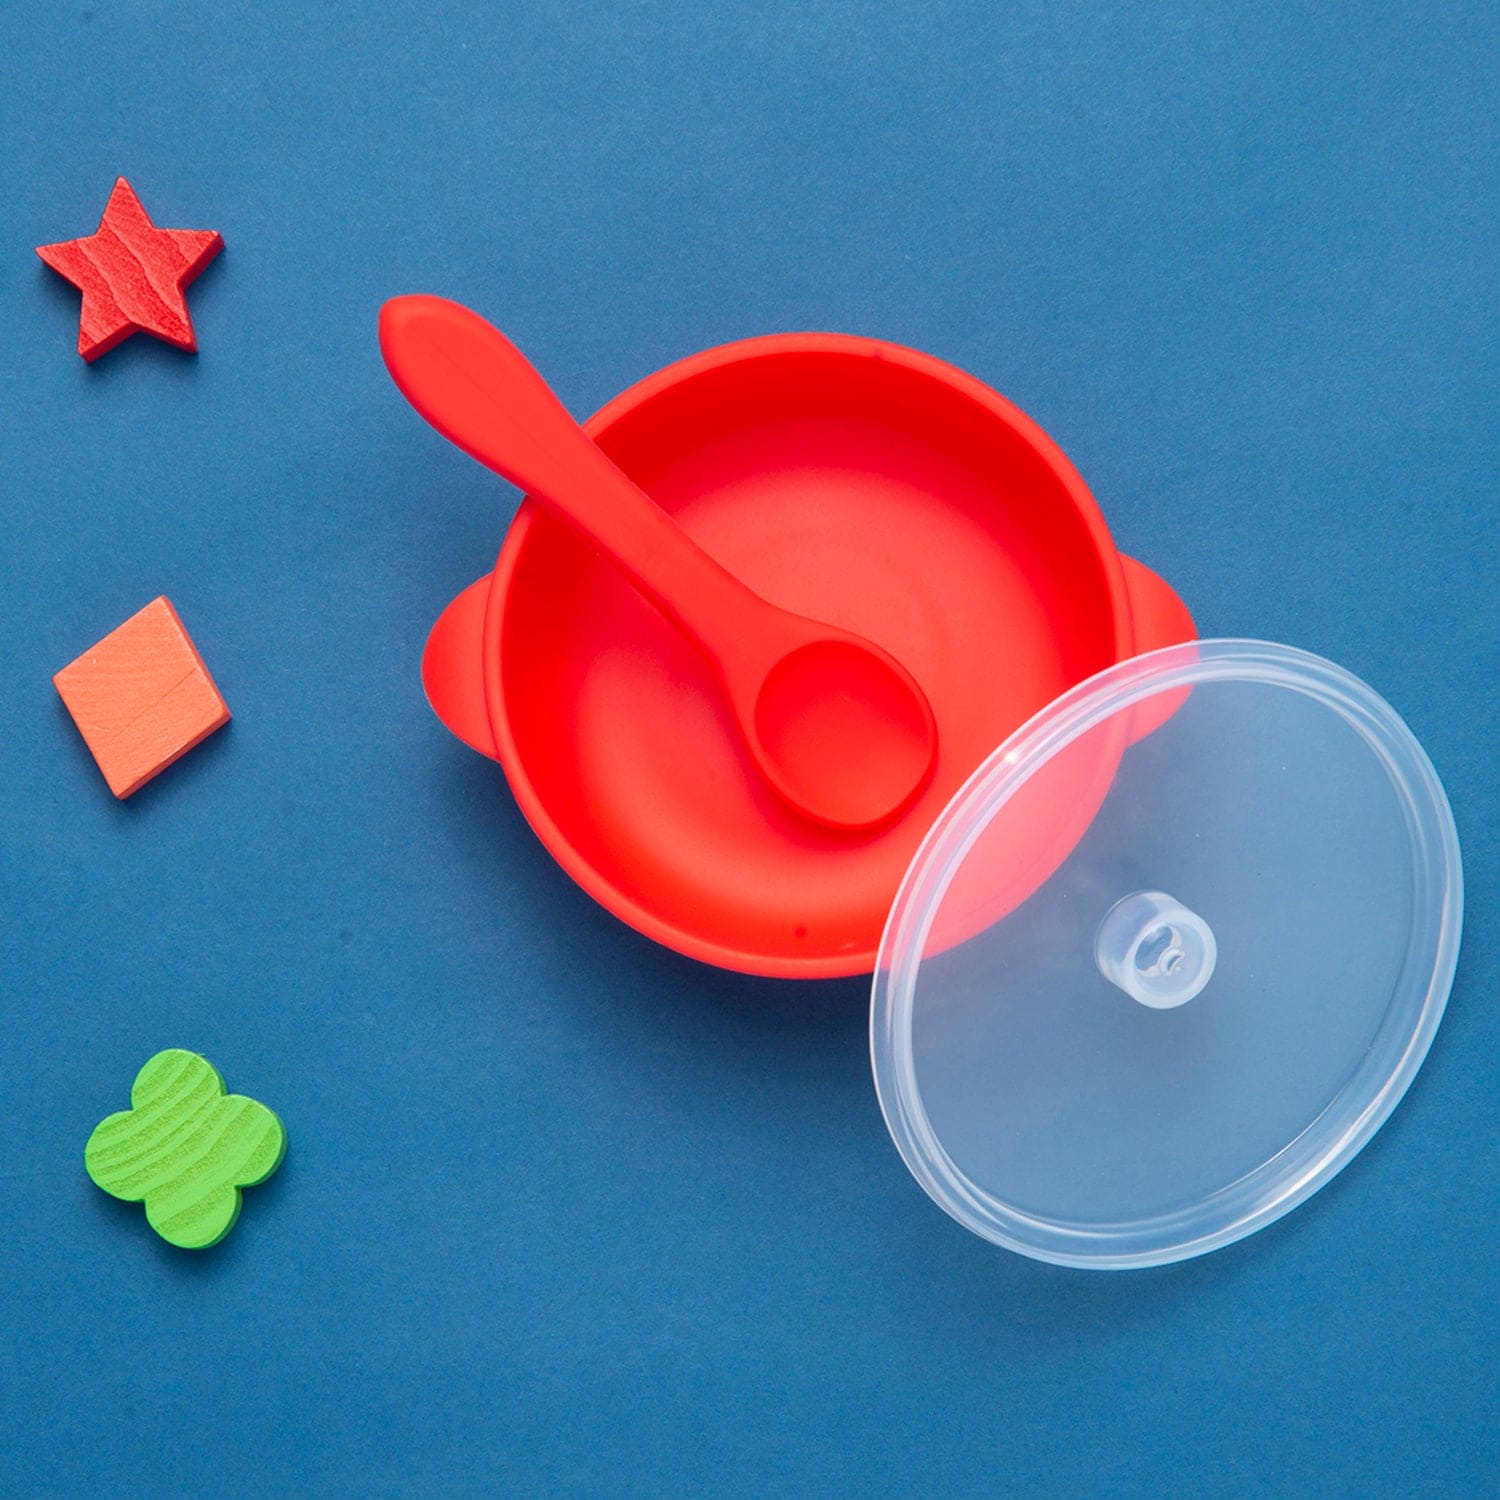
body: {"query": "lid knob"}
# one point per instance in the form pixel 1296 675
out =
pixel 1155 949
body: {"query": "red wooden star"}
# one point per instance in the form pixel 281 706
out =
pixel 132 274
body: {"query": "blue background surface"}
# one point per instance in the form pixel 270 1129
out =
pixel 564 1212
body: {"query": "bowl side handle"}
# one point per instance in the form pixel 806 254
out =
pixel 453 669
pixel 1161 619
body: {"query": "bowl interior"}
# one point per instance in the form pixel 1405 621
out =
pixel 857 483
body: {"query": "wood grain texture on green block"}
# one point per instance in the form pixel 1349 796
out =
pixel 185 1148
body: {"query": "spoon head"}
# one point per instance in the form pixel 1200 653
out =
pixel 844 733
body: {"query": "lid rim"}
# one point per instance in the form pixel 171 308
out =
pixel 1287 1178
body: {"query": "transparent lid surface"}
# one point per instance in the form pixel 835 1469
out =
pixel 1169 958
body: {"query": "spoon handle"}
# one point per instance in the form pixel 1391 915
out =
pixel 477 389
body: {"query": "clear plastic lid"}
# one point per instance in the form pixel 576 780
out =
pixel 1170 957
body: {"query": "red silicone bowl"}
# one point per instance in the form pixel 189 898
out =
pixel 849 479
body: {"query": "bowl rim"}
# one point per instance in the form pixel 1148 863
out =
pixel 669 378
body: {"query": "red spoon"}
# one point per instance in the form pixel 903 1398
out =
pixel 836 725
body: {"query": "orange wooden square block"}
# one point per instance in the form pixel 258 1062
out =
pixel 141 697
